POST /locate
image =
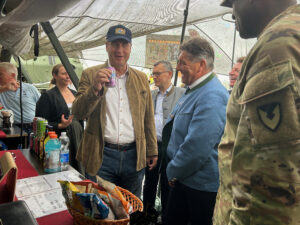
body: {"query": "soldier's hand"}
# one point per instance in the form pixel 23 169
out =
pixel 100 79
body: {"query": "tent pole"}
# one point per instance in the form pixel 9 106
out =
pixel 233 48
pixel 60 52
pixel 5 55
pixel 185 13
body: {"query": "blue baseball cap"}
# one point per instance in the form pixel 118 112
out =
pixel 118 32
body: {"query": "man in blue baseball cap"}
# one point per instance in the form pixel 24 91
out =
pixel 120 136
pixel 118 32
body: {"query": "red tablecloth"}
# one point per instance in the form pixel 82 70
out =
pixel 60 218
pixel 2 134
pixel 26 170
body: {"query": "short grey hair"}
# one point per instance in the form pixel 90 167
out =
pixel 199 48
pixel 10 68
pixel 167 65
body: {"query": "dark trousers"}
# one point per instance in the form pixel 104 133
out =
pixel 189 206
pixel 150 185
pixel 164 193
pixel 75 132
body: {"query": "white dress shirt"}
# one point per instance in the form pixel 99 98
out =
pixel 119 126
pixel 158 114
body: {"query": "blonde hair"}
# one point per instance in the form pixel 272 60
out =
pixel 55 71
pixel 10 68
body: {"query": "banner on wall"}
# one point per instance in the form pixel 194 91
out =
pixel 162 47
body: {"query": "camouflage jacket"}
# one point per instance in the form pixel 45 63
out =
pixel 259 154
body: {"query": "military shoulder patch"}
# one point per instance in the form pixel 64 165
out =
pixel 270 115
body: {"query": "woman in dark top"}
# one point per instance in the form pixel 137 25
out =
pixel 56 103
pixel 55 106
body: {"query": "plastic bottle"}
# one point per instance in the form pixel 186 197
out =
pixel 64 151
pixel 48 138
pixel 52 155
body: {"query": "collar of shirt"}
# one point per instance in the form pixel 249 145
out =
pixel 167 91
pixel 122 75
pixel 199 80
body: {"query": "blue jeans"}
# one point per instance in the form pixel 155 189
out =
pixel 119 167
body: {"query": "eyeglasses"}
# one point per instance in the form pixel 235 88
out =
pixel 157 74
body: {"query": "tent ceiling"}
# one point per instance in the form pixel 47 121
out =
pixel 84 25
pixel 17 17
pixel 218 32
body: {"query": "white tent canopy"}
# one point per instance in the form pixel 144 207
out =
pixel 218 32
pixel 17 17
pixel 82 24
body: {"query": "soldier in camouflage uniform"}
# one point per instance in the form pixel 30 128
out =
pixel 259 154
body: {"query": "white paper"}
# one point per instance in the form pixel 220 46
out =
pixel 43 194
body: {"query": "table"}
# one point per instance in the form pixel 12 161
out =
pixel 33 159
pixel 25 169
pixel 12 139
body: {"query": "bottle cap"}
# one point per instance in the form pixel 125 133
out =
pixel 52 136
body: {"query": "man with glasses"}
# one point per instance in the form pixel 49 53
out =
pixel 164 99
pixel 194 129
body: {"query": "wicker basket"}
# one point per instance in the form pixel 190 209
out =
pixel 80 219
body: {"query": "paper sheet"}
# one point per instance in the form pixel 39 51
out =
pixel 43 193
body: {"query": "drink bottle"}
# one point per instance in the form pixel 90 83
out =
pixel 64 151
pixel 52 155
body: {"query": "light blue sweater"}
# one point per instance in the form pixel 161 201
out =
pixel 197 129
pixel 11 100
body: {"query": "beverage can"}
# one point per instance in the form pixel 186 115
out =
pixel 41 126
pixel 31 137
pixel 34 125
pixel 112 79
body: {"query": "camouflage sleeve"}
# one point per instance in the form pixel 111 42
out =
pixel 265 169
